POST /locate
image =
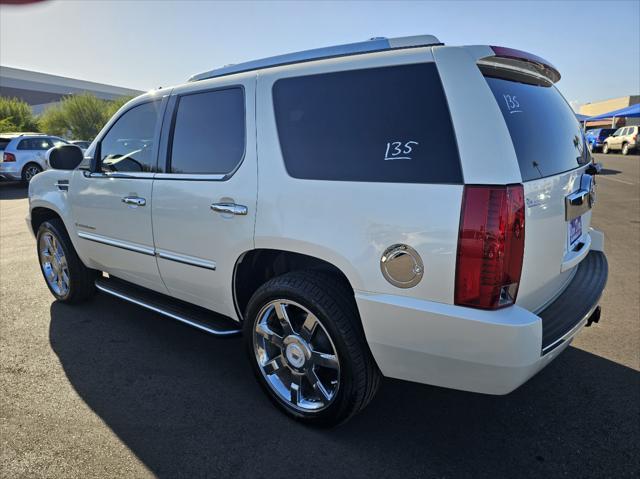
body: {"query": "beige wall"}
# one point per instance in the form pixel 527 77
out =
pixel 605 106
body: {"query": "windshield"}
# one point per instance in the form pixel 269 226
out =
pixel 558 144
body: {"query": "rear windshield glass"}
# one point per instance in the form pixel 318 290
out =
pixel 4 142
pixel 545 132
pixel 387 124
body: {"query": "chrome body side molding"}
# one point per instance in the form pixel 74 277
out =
pixel 117 243
pixel 190 260
pixel 179 258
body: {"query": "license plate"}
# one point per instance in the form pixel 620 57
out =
pixel 575 230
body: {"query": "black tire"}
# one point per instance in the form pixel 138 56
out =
pixel 29 171
pixel 625 148
pixel 81 278
pixel 605 148
pixel 332 302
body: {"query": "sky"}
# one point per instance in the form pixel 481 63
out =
pixel 145 44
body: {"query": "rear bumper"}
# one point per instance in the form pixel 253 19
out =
pixel 577 303
pixel 490 352
pixel 10 171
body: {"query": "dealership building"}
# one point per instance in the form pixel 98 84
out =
pixel 605 106
pixel 41 90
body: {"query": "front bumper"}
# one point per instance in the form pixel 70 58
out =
pixel 490 352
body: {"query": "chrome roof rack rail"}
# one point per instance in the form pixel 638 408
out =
pixel 375 44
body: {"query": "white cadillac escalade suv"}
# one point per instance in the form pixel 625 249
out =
pixel 365 210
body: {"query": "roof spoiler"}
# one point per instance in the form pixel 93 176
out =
pixel 510 57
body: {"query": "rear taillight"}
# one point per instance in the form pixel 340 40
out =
pixel 490 246
pixel 8 157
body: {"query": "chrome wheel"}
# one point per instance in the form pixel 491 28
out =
pixel 54 264
pixel 30 171
pixel 296 356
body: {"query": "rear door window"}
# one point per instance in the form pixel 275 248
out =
pixel 388 124
pixel 557 144
pixel 35 144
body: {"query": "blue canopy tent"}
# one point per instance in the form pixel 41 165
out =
pixel 627 112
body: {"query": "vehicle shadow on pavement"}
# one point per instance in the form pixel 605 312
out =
pixel 187 405
pixel 13 190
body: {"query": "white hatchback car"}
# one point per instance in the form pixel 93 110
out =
pixel 23 155
pixel 371 209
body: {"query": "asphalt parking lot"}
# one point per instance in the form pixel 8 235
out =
pixel 108 389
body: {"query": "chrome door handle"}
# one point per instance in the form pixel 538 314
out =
pixel 229 208
pixel 134 200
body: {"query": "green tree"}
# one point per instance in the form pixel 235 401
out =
pixel 77 116
pixel 114 105
pixel 16 115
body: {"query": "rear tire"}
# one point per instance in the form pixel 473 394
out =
pixel 625 149
pixel 68 279
pixel 605 148
pixel 322 377
pixel 29 171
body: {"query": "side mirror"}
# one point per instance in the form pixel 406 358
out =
pixel 65 157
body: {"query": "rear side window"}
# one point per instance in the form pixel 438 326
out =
pixel 545 132
pixel 387 124
pixel 209 132
pixel 35 144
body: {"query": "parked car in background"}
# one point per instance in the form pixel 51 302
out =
pixel 23 154
pixel 83 144
pixel 401 221
pixel 625 139
pixel 595 137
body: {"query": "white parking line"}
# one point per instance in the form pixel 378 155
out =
pixel 601 177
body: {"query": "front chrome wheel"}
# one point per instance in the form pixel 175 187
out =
pixel 296 356
pixel 54 264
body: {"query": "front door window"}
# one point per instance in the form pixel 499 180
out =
pixel 128 146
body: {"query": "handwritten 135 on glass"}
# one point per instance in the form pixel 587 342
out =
pixel 397 150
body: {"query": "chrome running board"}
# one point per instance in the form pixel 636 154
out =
pixel 191 315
